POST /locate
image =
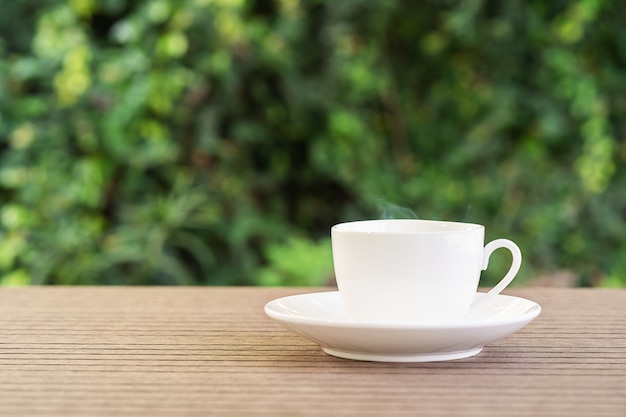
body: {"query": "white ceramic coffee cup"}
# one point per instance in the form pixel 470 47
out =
pixel 413 271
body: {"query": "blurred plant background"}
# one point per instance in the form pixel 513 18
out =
pixel 217 141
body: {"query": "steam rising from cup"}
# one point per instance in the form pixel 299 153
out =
pixel 392 211
pixel 388 211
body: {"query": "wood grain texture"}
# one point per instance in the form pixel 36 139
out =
pixel 180 351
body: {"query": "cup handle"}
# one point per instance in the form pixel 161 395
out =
pixel 515 266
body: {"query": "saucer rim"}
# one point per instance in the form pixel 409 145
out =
pixel 530 314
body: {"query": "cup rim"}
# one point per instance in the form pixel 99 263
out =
pixel 439 226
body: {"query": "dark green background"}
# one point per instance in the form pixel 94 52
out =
pixel 216 142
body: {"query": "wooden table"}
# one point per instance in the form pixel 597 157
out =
pixel 136 351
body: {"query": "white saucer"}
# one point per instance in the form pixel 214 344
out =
pixel 324 319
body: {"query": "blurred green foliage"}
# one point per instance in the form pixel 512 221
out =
pixel 216 141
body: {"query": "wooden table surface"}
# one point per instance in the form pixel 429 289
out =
pixel 181 351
